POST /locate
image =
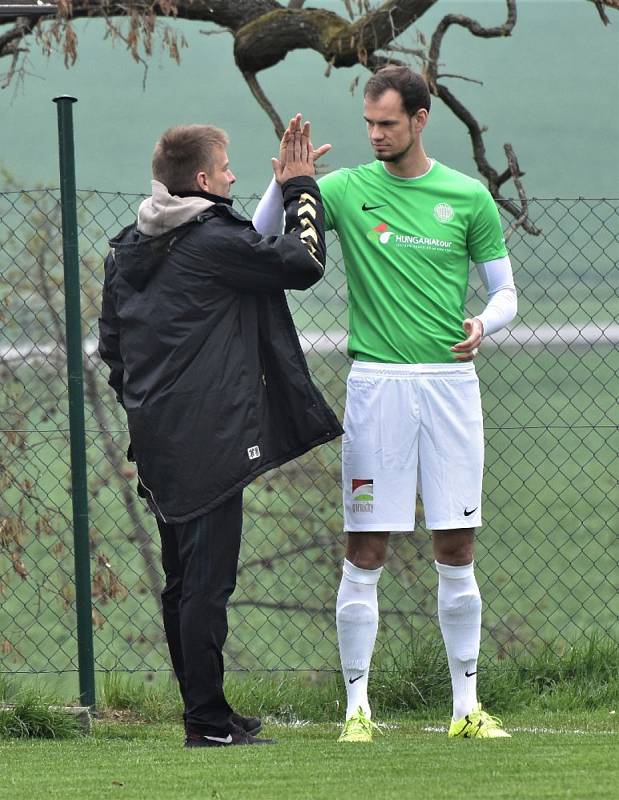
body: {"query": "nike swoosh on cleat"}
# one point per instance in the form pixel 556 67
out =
pixel 353 680
pixel 227 740
pixel 470 674
pixel 371 208
pixel 472 511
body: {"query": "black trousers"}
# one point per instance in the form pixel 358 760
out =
pixel 200 560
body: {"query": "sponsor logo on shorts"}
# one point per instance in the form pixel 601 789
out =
pixel 253 452
pixel 384 236
pixel 362 494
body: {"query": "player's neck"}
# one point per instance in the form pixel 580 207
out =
pixel 414 164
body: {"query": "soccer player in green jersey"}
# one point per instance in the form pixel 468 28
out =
pixel 409 228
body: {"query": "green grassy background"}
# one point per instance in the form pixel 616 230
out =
pixel 546 553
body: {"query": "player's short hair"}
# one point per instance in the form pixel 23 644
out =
pixel 410 85
pixel 183 151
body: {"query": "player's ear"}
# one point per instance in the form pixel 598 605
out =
pixel 420 119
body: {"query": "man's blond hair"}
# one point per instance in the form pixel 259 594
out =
pixel 183 151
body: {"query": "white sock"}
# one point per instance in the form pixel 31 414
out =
pixel 459 615
pixel 356 617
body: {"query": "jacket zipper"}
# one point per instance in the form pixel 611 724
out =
pixel 152 498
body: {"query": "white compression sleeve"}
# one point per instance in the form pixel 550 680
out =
pixel 502 304
pixel 268 217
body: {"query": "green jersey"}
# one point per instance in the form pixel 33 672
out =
pixel 407 245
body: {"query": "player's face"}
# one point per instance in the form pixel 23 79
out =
pixel 220 178
pixel 391 130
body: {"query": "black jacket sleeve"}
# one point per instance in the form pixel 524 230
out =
pixel 109 333
pixel 295 260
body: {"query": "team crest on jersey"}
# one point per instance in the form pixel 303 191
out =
pixel 443 212
pixel 362 494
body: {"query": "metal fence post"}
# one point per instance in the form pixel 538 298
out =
pixel 79 484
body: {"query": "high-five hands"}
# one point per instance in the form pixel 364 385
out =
pixel 296 152
pixel 468 349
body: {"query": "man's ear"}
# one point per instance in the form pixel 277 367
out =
pixel 202 181
pixel 420 119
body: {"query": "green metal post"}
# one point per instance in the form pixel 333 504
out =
pixel 79 484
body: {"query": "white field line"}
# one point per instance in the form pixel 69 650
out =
pixel 322 342
pixel 293 723
pixel 303 723
pixel 441 729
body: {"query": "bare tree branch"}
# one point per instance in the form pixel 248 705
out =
pixel 599 4
pixel 494 178
pixel 459 77
pixel 301 607
pixel 603 15
pixel 524 203
pixel 264 103
pixel 114 458
pixel 323 544
pixel 12 70
pixel 22 27
pixel 265 31
pixel 416 53
pixel 265 41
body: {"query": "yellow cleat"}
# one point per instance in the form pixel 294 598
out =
pixel 478 725
pixel 358 728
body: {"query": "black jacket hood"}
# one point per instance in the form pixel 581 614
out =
pixel 138 257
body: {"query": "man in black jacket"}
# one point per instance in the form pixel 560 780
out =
pixel 205 360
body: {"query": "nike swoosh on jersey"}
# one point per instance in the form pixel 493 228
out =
pixel 468 513
pixel 364 207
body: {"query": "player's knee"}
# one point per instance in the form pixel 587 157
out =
pixel 461 604
pixel 367 554
pixel 358 611
pixel 454 548
pixel 367 561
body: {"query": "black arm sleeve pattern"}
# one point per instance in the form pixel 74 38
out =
pixel 305 211
pixel 242 258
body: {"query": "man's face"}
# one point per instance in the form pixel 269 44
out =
pixel 220 178
pixel 391 130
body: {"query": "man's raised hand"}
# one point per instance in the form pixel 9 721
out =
pixel 296 144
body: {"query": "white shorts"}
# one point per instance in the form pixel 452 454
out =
pixel 409 424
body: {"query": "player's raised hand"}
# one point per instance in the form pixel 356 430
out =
pixel 296 126
pixel 468 349
pixel 299 157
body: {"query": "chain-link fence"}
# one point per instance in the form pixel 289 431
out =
pixel 546 561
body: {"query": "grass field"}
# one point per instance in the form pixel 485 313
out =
pixel 560 711
pixel 549 756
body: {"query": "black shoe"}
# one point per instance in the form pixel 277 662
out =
pixel 236 736
pixel 251 725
